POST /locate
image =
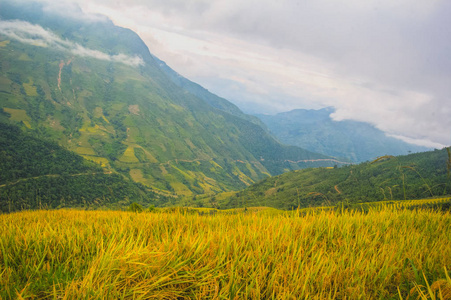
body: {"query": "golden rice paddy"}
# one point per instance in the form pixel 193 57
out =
pixel 385 253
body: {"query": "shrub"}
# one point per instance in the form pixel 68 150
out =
pixel 135 207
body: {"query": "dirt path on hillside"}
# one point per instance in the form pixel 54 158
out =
pixel 316 160
pixel 61 66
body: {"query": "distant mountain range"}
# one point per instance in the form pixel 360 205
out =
pixel 315 131
pixel 96 90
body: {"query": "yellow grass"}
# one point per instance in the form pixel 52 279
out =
pixel 215 165
pixel 384 254
pixel 129 155
pixel 407 203
pixel 88 128
pixel 4 43
pixel 100 160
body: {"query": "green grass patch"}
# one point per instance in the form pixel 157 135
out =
pixel 5 84
pixel 29 88
pixel 85 151
pixel 18 115
pixel 24 57
pixel 138 176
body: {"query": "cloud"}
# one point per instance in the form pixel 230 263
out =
pixel 382 62
pixel 385 62
pixel 28 33
pixel 420 142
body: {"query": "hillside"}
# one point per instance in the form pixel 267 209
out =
pixel 204 94
pixel 36 173
pixel 316 131
pixel 95 89
pixel 411 176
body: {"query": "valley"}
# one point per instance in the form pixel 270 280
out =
pixel 412 176
pixel 122 112
pixel 109 101
pixel 135 118
pixel 122 179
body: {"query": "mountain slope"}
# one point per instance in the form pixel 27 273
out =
pixel 413 176
pixel 204 94
pixel 95 89
pixel 36 173
pixel 316 131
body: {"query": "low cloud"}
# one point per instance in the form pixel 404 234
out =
pixel 419 142
pixel 32 34
pixel 385 62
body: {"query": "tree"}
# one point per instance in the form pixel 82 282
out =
pixel 135 207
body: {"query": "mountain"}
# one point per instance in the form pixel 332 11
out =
pixel 96 90
pixel 414 176
pixel 204 94
pixel 37 173
pixel 315 131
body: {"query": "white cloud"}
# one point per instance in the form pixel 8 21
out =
pixel 419 142
pixel 381 62
pixel 385 62
pixel 28 33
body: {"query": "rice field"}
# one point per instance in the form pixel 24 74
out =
pixel 385 253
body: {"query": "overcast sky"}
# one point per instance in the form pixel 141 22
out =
pixel 386 62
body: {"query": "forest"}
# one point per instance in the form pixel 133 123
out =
pixel 36 173
pixel 413 176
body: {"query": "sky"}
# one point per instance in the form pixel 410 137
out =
pixel 385 62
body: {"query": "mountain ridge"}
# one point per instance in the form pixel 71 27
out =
pixel 106 98
pixel 316 131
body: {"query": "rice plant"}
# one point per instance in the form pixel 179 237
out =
pixel 385 253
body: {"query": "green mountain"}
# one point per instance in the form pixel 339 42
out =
pixel 204 94
pixel 36 173
pixel 96 90
pixel 413 176
pixel 315 131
